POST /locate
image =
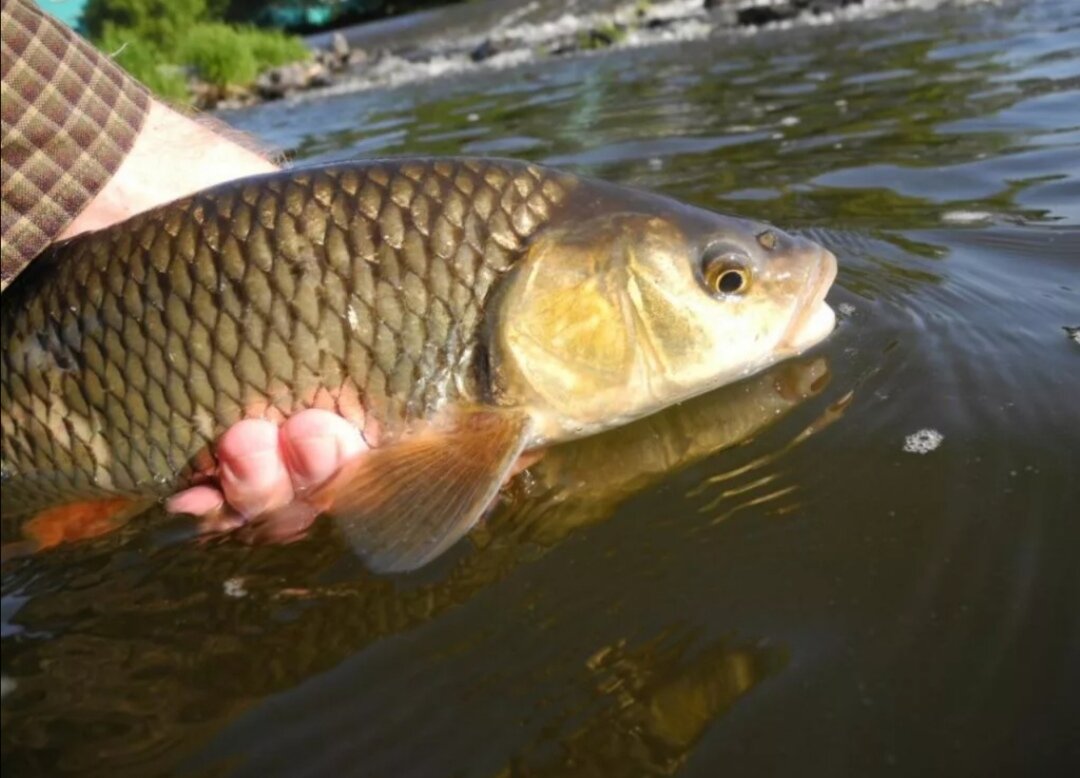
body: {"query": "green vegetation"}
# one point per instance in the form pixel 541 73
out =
pixel 601 37
pixel 143 60
pixel 163 42
pixel 223 55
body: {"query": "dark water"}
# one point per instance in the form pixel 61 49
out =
pixel 760 582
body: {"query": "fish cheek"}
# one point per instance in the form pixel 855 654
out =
pixel 570 342
pixel 561 332
pixel 677 328
pixel 580 327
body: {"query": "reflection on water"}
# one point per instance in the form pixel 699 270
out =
pixel 760 581
pixel 333 614
pixel 659 702
pixel 582 483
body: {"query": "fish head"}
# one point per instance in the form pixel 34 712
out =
pixel 616 315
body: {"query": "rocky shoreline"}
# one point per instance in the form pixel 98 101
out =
pixel 342 67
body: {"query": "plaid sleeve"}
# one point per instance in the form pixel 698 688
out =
pixel 70 115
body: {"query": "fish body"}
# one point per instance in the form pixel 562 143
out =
pixel 460 310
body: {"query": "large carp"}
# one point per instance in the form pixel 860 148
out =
pixel 461 311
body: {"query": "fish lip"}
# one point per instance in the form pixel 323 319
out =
pixel 812 304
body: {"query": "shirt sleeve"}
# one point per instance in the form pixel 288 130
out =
pixel 69 116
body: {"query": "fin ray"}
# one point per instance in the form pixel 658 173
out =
pixel 403 505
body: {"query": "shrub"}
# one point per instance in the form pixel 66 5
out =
pixel 218 55
pixel 160 42
pixel 144 61
pixel 160 22
pixel 272 48
pixel 223 55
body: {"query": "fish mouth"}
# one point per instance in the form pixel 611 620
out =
pixel 813 320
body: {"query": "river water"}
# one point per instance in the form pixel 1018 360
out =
pixel 862 563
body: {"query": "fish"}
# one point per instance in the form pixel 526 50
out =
pixel 461 311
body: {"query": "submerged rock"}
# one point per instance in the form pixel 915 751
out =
pixel 763 12
pixel 286 79
pixel 757 15
pixel 339 55
pixel 722 12
pixel 599 38
pixel 485 50
pixel 358 57
pixel 340 46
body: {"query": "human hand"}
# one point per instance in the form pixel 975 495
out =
pixel 265 469
pixel 262 467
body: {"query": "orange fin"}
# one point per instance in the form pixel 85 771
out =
pixel 80 520
pixel 403 505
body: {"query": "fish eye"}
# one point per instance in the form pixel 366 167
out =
pixel 731 281
pixel 725 271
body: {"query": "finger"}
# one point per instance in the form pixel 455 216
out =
pixel 251 468
pixel 196 501
pixel 315 444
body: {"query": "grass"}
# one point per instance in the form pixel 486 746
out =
pixel 219 54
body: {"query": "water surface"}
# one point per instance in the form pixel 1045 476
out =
pixel 861 563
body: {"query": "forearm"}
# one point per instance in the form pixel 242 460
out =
pixel 68 117
pixel 173 156
pixel 85 146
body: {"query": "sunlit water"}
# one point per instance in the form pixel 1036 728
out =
pixel 863 563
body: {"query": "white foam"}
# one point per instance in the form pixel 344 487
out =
pixel 234 587
pixel 923 442
pixel 965 217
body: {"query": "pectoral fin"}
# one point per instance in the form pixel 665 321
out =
pixel 402 505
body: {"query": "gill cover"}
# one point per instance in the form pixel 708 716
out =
pixel 586 325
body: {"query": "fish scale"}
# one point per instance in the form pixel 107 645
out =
pixel 357 287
